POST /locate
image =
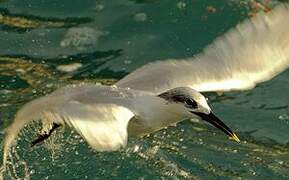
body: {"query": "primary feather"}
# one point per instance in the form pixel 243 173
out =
pixel 253 52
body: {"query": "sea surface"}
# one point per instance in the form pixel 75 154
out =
pixel 47 44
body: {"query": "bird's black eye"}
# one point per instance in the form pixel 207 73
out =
pixel 191 103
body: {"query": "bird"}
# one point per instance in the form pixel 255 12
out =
pixel 163 93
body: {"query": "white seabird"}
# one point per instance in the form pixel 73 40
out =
pixel 163 93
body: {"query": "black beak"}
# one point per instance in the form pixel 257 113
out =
pixel 214 120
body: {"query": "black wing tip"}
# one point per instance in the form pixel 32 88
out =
pixel 42 137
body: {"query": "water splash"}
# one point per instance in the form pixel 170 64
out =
pixel 82 38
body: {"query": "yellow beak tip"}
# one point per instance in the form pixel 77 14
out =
pixel 235 138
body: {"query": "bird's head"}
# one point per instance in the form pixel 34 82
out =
pixel 196 104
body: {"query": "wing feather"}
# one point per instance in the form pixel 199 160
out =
pixel 253 52
pixel 102 124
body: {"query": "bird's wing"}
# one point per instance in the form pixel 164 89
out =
pixel 102 124
pixel 253 52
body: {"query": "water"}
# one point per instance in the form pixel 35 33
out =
pixel 101 41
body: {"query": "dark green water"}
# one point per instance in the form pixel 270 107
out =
pixel 110 39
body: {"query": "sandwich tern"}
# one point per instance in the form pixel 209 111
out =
pixel 164 93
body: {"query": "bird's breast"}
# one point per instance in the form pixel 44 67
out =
pixel 151 119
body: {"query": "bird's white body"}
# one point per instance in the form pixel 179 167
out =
pixel 149 112
pixel 104 116
pixel 101 114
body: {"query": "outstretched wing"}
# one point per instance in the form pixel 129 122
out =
pixel 102 124
pixel 255 51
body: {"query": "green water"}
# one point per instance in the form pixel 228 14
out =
pixel 110 39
